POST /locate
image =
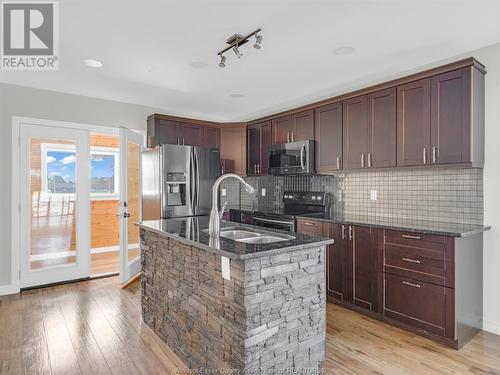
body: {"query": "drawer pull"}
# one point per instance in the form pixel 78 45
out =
pixel 411 260
pixel 411 284
pixel 411 237
pixel 309 224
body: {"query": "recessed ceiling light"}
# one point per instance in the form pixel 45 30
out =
pixel 344 50
pixel 198 64
pixel 236 96
pixel 93 63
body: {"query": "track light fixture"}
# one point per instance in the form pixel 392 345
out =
pixel 236 41
pixel 222 63
pixel 258 41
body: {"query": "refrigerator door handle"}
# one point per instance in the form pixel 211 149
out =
pixel 192 186
pixel 197 168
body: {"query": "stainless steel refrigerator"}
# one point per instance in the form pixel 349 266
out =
pixel 177 181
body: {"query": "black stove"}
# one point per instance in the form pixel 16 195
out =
pixel 294 204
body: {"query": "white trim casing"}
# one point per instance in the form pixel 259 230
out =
pixel 14 286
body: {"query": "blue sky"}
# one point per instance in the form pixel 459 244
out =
pixel 62 163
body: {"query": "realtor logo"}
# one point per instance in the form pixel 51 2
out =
pixel 30 36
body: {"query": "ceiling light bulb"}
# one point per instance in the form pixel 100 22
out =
pixel 258 40
pixel 344 50
pixel 222 63
pixel 91 63
pixel 237 52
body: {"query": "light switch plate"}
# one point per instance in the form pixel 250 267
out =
pixel 373 195
pixel 226 268
pixel 223 192
pixel 263 192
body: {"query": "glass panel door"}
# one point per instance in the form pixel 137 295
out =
pixel 54 205
pixel 131 147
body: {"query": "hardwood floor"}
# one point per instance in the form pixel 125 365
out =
pixel 94 327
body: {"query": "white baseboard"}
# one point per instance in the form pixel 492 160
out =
pixel 8 289
pixel 491 327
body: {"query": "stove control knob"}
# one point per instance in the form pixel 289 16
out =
pixel 313 197
pixel 318 197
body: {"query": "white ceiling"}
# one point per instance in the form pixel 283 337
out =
pixel 147 48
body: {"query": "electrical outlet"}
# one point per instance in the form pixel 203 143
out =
pixel 223 192
pixel 373 195
pixel 263 192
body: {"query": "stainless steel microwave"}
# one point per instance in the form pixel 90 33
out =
pixel 292 158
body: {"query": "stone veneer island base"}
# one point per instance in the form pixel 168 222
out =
pixel 269 317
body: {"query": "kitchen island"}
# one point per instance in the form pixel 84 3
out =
pixel 234 307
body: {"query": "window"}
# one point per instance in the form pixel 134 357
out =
pixel 59 170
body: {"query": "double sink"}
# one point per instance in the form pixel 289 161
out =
pixel 253 236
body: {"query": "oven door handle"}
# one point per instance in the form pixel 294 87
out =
pixel 302 156
pixel 273 221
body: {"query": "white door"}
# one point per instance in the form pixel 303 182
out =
pixel 131 146
pixel 54 204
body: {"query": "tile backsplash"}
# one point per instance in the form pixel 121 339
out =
pixel 452 195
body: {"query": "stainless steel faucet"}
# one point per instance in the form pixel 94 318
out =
pixel 215 215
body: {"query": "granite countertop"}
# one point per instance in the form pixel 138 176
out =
pixel 194 231
pixel 421 226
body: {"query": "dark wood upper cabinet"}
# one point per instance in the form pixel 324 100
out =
pixel 328 136
pixel 450 117
pixel 259 139
pixel 253 149
pixel 192 134
pixel 211 137
pixel 382 128
pixel 355 132
pixel 303 126
pixel 414 123
pixel 282 129
pixel 266 140
pixel 163 132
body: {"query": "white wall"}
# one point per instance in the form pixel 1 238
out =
pixel 490 56
pixel 19 101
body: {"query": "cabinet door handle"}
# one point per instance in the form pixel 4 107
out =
pixel 434 155
pixel 411 237
pixel 178 141
pixel 293 137
pixel 411 284
pixel 369 160
pixel 183 142
pixel 255 169
pixel 411 260
pixel 288 137
pixel 343 231
pixel 338 162
pixel 424 155
pixel 350 233
pixel 258 168
pixel 362 160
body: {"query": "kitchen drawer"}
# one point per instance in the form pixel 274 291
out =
pixel 413 239
pixel 420 264
pixel 422 305
pixel 313 227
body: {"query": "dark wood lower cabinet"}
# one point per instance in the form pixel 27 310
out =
pixel 425 283
pixel 337 260
pixel 365 265
pixel 420 304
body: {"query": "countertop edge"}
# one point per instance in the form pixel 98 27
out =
pixel 232 255
pixel 400 228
